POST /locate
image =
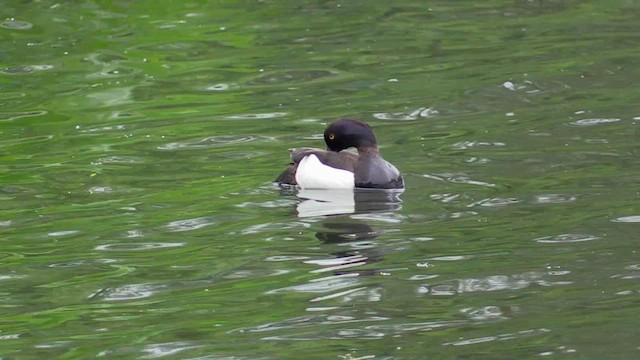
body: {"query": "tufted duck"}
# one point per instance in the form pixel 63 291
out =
pixel 339 168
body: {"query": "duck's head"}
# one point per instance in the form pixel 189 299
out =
pixel 346 133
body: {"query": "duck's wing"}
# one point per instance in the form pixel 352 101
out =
pixel 345 160
pixel 372 171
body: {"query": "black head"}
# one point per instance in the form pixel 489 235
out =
pixel 346 133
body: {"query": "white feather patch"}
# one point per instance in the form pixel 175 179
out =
pixel 312 174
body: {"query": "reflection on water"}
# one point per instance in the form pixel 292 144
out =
pixel 335 202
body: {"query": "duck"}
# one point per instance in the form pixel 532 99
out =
pixel 338 167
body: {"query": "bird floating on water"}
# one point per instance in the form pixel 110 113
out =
pixel 338 168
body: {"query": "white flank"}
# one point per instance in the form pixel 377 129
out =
pixel 312 174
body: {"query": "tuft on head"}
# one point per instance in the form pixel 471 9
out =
pixel 346 133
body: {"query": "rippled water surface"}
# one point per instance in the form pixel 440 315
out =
pixel 138 141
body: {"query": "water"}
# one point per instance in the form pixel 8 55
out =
pixel 138 142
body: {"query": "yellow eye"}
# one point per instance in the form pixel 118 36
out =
pixel 332 136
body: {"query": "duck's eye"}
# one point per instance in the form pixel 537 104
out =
pixel 332 136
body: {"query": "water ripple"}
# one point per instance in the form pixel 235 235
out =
pixel 308 321
pixel 154 351
pixel 63 233
pixel 257 116
pixel 9 116
pixel 423 112
pixel 138 246
pixel 127 292
pixel 189 224
pixel 254 229
pixel 566 238
pixel 100 190
pixel 458 179
pixel 117 160
pixel 491 202
pixel 323 285
pixel 501 337
pixel 592 122
pixel 627 219
pixel 291 76
pixel 484 313
pixel 25 69
pixel 464 145
pixel 279 258
pixel 14 24
pixel 420 326
pixel 209 142
pixel 554 198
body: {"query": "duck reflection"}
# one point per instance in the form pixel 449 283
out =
pixel 355 246
pixel 337 202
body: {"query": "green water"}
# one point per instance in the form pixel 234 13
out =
pixel 138 140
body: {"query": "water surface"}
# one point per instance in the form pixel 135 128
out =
pixel 138 143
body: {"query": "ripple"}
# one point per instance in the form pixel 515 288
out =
pixel 76 263
pixel 117 160
pixel 101 128
pixel 9 116
pixel 269 227
pixel 161 350
pixel 421 326
pixel 628 219
pixel 468 181
pixel 464 145
pixel 63 233
pixel 126 292
pixel 451 258
pixel 279 258
pixel 423 112
pixel 12 95
pixel 216 87
pixel 566 238
pixel 14 24
pixel 592 122
pixel 486 284
pixel 501 337
pixel 113 73
pixel 257 116
pixel 329 284
pixel 208 142
pixel 423 277
pixel 138 246
pixel 291 76
pixel 189 224
pixel 308 321
pixel 554 198
pixel 26 69
pixel 100 190
pixel 491 202
pixel 484 313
